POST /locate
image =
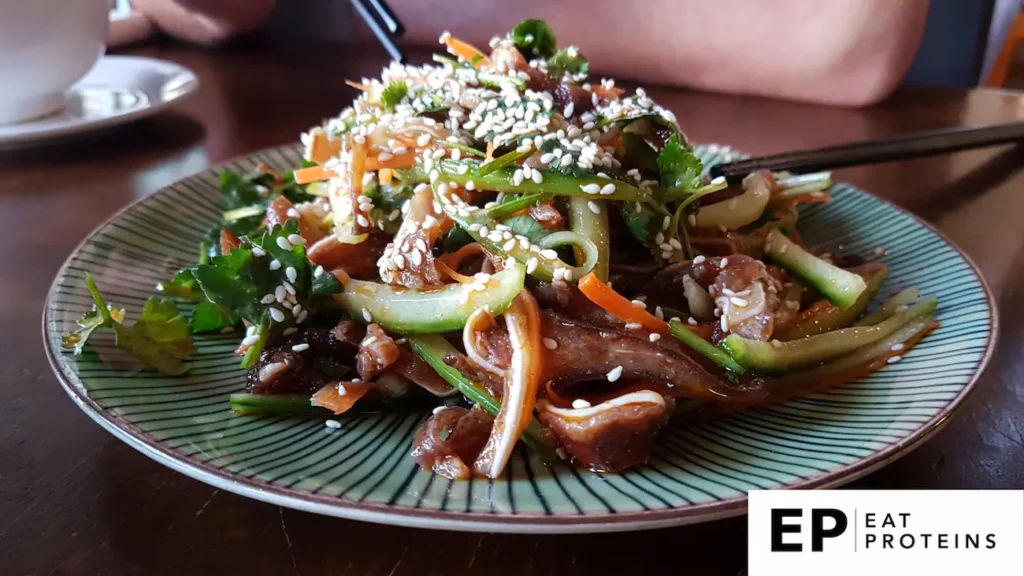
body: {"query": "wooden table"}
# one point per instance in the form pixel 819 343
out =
pixel 74 500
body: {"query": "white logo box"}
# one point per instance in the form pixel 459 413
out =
pixel 899 532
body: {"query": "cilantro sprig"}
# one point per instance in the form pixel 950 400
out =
pixel 393 94
pixel 160 338
pixel 534 38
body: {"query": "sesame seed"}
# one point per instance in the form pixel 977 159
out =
pixel 725 323
pixel 296 239
pixel 699 259
pixel 654 337
pixel 725 262
pixel 362 221
pixel 691 220
pixel 894 359
pixel 691 321
pixel 399 261
pixel 470 185
pixel 567 275
pixel 558 274
pixel 318 272
pixel 517 177
pixel 594 207
pixel 550 344
pixel 614 374
pixel 291 273
pixel 568 110
pixel 580 404
pixel 591 188
pixel 421 245
pixel 268 299
pixel 277 315
pixel 417 258
pixel 737 301
pixel 509 245
pixel 301 317
pixel 290 331
pixel 549 254
pixel 288 288
pixel 367 316
pixel 718 180
pixel 334 424
pixel 300 347
pixel 250 340
pixel 665 222
pixel 423 140
pixel 880 252
pixel 897 347
pixel 258 252
pixel 296 310
pixel 536 176
pixel 776 344
pixel 633 326
pixel 531 265
pixel 673 242
pixel 608 189
pixel 283 244
pixel 279 293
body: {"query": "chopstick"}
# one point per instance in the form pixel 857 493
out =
pixel 383 32
pixel 388 17
pixel 912 145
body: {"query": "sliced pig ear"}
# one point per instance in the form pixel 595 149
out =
pixel 613 435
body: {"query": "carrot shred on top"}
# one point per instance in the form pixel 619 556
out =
pixel 331 397
pixel 313 174
pixel 617 305
pixel 466 51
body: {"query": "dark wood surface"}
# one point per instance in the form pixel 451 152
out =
pixel 74 500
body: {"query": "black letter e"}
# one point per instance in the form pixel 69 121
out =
pixel 779 528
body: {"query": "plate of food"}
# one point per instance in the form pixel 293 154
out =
pixel 497 294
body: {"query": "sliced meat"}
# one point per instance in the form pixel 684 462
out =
pixel 613 435
pixel 547 216
pixel 414 368
pixel 228 241
pixel 281 370
pixel 585 352
pixel 493 384
pixel 450 439
pixel 281 210
pixel 569 301
pixel 356 260
pixel 377 351
pixel 746 297
pixel 409 260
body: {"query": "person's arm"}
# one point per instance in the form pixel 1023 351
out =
pixel 205 21
pixel 841 52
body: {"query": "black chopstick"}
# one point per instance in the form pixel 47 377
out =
pixel 385 15
pixel 383 34
pixel 876 151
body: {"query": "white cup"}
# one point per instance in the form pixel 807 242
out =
pixel 45 47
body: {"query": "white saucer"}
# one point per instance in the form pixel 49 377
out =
pixel 119 89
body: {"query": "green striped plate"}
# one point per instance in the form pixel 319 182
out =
pixel 363 470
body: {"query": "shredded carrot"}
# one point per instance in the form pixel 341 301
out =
pixel 331 398
pixel 454 259
pixel 384 176
pixel 466 51
pixel 612 93
pixel 445 269
pixel 323 148
pixel 490 151
pixel 406 160
pixel 357 85
pixel 599 293
pixel 313 174
pixel 809 198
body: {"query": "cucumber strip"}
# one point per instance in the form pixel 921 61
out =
pixel 445 309
pixel 502 180
pixel 244 212
pixel 707 349
pixel 594 227
pixel 291 404
pixel 433 349
pixel 841 287
pixel 785 356
pixel 902 298
pixel 835 318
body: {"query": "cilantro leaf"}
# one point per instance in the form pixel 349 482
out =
pixel 640 153
pixel 160 338
pixel 534 38
pixel 183 285
pixel 208 317
pixel 639 224
pixel 568 61
pixel 526 226
pixel 393 94
pixel 678 166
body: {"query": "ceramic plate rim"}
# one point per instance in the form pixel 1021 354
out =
pixel 495 522
pixel 56 134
